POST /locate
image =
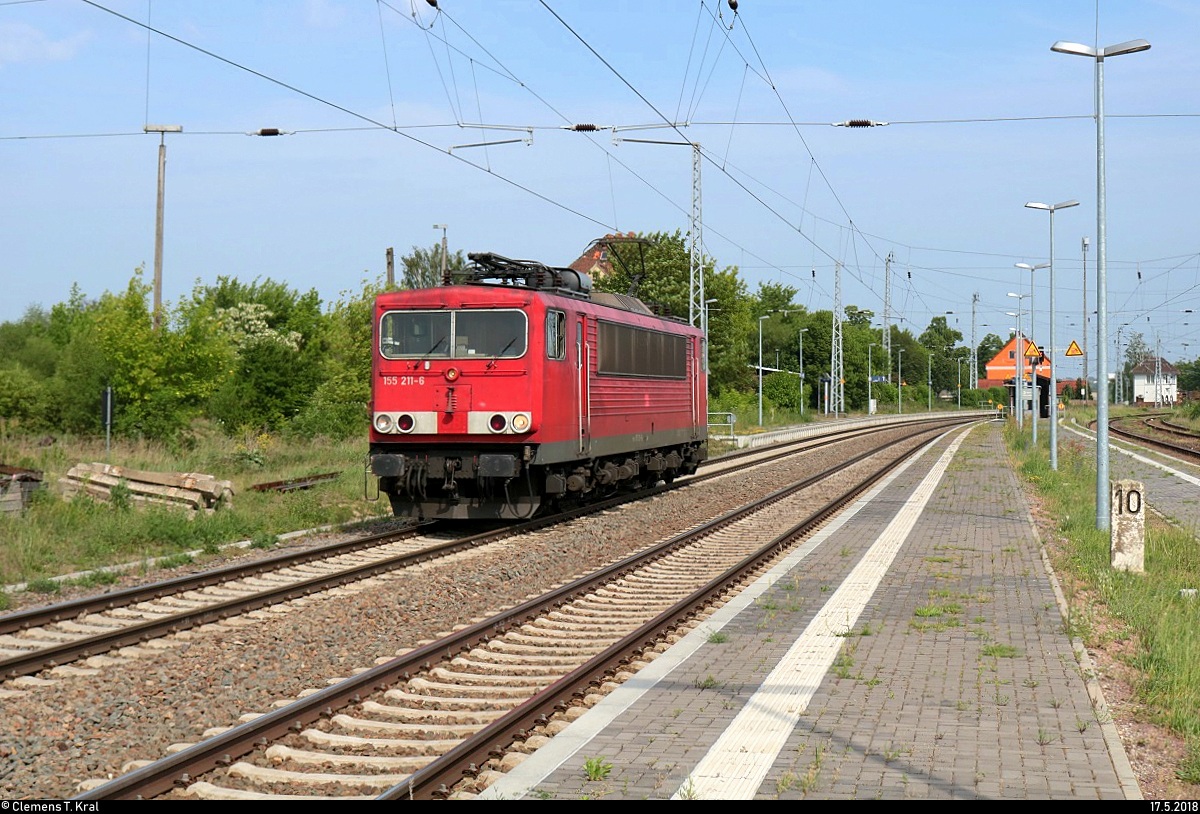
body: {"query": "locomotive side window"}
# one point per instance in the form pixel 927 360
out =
pixel 556 335
pixel 624 350
pixel 458 334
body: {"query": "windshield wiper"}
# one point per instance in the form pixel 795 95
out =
pixel 436 345
pixel 511 342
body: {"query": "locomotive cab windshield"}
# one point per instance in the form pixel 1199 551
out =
pixel 491 334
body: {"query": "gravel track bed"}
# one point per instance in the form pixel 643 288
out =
pixel 80 727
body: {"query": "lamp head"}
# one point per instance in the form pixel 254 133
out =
pixel 1064 47
pixel 1051 207
pixel 1131 47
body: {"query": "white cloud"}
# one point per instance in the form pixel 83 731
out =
pixel 24 43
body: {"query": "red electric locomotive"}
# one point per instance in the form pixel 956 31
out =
pixel 516 388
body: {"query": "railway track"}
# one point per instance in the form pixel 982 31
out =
pixel 1158 433
pixel 437 719
pixel 54 636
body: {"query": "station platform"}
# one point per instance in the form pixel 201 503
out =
pixel 915 648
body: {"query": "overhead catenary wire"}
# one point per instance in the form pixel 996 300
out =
pixel 499 70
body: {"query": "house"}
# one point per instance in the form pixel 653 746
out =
pixel 1003 366
pixel 1155 381
pixel 596 259
pixel 1001 371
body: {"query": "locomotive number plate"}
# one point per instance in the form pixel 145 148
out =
pixel 403 381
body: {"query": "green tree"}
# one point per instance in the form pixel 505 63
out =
pixel 656 268
pixel 27 343
pixel 264 391
pixel 338 408
pixel 858 316
pixel 728 318
pixel 1136 352
pixel 940 342
pixel 22 397
pixel 782 390
pixel 986 352
pixel 781 332
pixel 1189 376
pixel 278 339
pixel 159 378
pixel 423 268
pixel 776 297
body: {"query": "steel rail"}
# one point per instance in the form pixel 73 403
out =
pixel 181 768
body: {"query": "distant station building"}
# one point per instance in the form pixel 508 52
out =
pixel 1002 371
pixel 1155 382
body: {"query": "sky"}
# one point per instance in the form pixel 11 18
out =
pixel 398 119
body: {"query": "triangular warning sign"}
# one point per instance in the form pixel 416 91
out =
pixel 1074 350
pixel 1032 352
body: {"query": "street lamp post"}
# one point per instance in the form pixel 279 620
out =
pixel 1098 54
pixel 1052 208
pixel 869 377
pixel 443 227
pixel 1118 373
pixel 958 379
pixel 929 379
pixel 1019 378
pixel 900 380
pixel 1084 243
pixel 1035 413
pixel 801 333
pixel 760 322
pixel 162 130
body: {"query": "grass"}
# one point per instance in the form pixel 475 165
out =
pixel 1144 609
pixel 596 768
pixel 54 536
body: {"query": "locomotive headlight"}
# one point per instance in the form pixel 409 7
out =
pixel 497 423
pixel 383 422
pixel 452 373
pixel 405 423
pixel 520 422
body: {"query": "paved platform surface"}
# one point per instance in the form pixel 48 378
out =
pixel 915 648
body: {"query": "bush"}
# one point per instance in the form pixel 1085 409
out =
pixel 744 406
pixel 337 410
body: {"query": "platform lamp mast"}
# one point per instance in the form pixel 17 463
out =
pixel 1098 55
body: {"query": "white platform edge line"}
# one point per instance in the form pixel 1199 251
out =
pixel 736 765
pixel 523 779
